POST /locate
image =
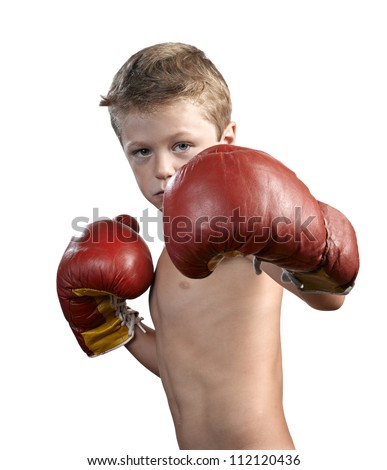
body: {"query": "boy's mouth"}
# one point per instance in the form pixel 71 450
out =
pixel 159 196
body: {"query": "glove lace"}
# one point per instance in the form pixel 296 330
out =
pixel 127 315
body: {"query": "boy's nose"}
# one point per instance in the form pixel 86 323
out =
pixel 165 166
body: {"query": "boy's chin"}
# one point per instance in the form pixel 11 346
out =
pixel 157 202
pixel 158 205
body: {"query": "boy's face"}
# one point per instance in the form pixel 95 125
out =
pixel 158 144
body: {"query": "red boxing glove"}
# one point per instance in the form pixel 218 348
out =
pixel 231 200
pixel 109 263
pixel 340 263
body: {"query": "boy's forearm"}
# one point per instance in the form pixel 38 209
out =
pixel 317 301
pixel 143 348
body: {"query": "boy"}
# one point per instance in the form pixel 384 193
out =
pixel 216 344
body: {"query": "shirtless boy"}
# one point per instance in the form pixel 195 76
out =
pixel 216 343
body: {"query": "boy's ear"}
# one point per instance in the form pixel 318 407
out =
pixel 229 134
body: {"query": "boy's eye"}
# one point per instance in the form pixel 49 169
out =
pixel 183 147
pixel 141 153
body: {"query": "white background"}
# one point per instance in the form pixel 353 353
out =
pixel 308 81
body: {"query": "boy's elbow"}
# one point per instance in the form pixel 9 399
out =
pixel 325 302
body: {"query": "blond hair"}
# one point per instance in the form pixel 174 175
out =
pixel 161 74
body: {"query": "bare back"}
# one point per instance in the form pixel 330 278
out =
pixel 219 352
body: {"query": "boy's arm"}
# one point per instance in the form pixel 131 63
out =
pixel 317 301
pixel 143 348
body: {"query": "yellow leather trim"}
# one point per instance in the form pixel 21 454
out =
pixel 213 263
pixel 106 337
pixel 110 334
pixel 81 292
pixel 318 281
pixel 102 300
